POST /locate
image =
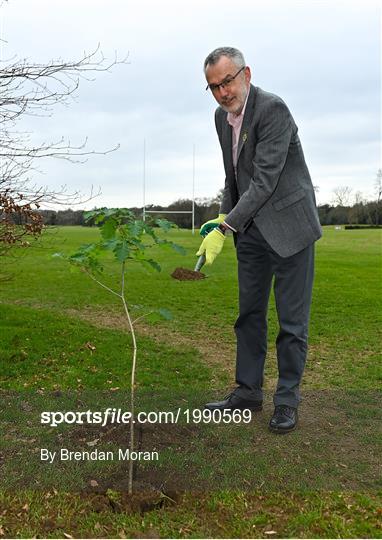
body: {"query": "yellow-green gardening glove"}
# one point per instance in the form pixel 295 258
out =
pixel 212 245
pixel 208 226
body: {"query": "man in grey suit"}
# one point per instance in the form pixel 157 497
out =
pixel 269 204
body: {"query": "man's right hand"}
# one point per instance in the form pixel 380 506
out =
pixel 208 226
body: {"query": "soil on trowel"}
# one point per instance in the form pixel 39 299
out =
pixel 184 274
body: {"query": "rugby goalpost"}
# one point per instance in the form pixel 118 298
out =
pixel 192 212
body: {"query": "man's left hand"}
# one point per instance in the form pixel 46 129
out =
pixel 212 245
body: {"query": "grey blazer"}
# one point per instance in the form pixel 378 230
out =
pixel 273 186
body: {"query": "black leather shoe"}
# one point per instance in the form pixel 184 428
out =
pixel 233 402
pixel 284 419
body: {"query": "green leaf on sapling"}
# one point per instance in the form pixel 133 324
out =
pixel 157 315
pixel 108 229
pixel 148 229
pixel 122 214
pixel 138 245
pixel 89 214
pixel 135 229
pixel 88 248
pixel 94 265
pixel 97 215
pixel 78 258
pixel 85 261
pixel 109 244
pixel 171 245
pixel 122 251
pixel 150 264
pixel 179 249
pixel 164 224
pixel 111 212
pixel 166 314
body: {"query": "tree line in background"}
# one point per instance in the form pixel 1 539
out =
pixel 204 210
pixel 340 212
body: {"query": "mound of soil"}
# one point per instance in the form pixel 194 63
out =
pixel 184 274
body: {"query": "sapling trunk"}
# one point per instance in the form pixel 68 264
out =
pixel 133 368
pixel 132 401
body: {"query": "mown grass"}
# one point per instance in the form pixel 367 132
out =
pixel 226 514
pixel 41 348
pixel 61 332
pixel 345 330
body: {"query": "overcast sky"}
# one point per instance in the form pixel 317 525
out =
pixel 322 57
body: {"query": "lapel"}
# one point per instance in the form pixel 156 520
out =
pixel 227 143
pixel 248 117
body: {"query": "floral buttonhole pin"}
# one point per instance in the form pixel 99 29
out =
pixel 245 136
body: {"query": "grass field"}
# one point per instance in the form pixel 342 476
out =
pixel 64 342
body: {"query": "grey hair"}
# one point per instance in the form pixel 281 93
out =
pixel 234 54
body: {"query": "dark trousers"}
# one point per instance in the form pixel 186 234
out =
pixel 293 281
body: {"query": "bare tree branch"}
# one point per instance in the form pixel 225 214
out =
pixel 341 195
pixel 32 89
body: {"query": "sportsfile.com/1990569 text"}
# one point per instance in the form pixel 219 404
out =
pixel 118 416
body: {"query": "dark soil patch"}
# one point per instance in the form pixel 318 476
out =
pixel 123 502
pixel 184 274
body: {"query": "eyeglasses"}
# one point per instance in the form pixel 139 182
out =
pixel 227 81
